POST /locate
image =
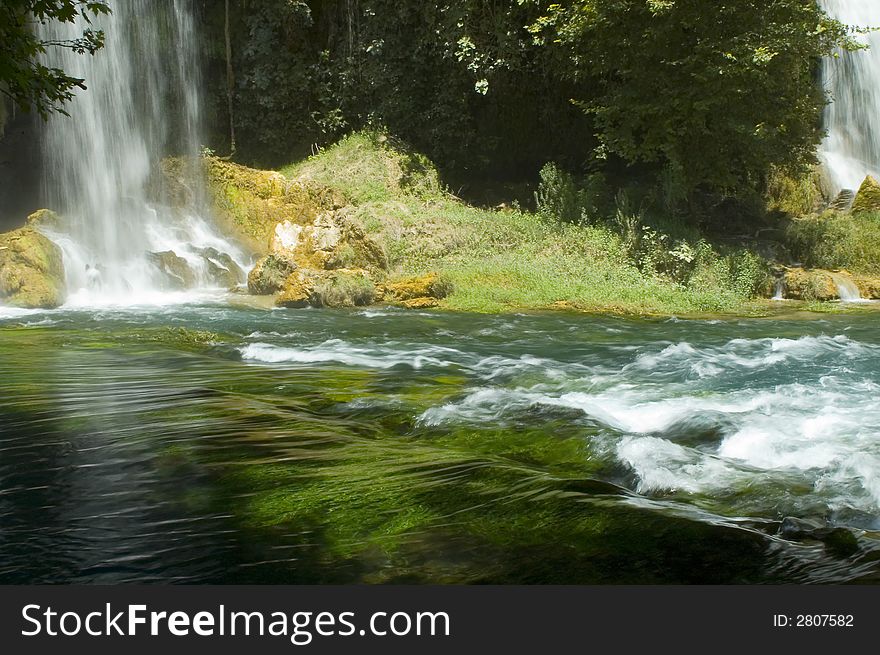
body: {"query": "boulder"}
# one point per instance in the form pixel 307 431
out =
pixel 175 270
pixel 868 197
pixel 222 268
pixel 297 290
pixel 31 270
pixel 270 275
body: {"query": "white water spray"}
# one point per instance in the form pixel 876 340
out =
pixel 852 148
pixel 142 103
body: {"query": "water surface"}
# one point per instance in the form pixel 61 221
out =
pixel 214 443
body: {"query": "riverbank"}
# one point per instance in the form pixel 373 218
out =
pixel 494 259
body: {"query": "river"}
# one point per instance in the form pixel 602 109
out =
pixel 213 441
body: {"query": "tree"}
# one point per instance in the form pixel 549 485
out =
pixel 708 95
pixel 30 84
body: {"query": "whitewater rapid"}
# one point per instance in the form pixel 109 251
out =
pixel 676 417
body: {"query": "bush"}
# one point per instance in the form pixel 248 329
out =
pixel 833 240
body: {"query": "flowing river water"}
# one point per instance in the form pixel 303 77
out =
pixel 217 442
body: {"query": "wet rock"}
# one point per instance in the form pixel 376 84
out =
pixel 868 197
pixel 175 270
pixel 31 270
pixel 270 275
pixel 222 268
pixel 44 219
pixel 344 288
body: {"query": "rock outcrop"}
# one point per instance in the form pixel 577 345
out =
pixel 31 270
pixel 868 197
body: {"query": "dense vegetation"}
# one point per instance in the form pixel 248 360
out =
pixel 692 98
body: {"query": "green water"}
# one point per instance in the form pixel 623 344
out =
pixel 230 444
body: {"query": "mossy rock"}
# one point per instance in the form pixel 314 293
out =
pixel 431 285
pixel 868 197
pixel 297 290
pixel 344 288
pixel 175 270
pixel 340 288
pixel 329 242
pixel 249 203
pixel 31 270
pixel 270 275
pixel 809 284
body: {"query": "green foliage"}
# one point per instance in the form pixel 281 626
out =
pixel 709 95
pixel 29 83
pixel 833 240
pixel 794 196
pixel 498 260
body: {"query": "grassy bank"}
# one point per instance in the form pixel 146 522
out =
pixel 509 258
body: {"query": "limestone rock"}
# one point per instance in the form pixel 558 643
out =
pixel 269 275
pixel 868 197
pixel 175 270
pixel 31 270
pixel 329 242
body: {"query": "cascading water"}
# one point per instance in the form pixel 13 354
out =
pixel 852 148
pixel 142 103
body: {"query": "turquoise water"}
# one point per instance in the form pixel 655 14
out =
pixel 215 443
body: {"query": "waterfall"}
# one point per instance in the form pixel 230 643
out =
pixel 852 148
pixel 142 103
pixel 847 290
pixel 779 289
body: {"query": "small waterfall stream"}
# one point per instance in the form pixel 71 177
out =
pixel 847 290
pixel 852 148
pixel 142 103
